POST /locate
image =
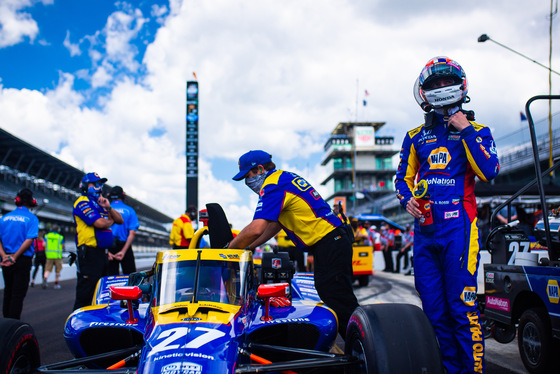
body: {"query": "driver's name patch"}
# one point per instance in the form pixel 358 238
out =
pixel 451 214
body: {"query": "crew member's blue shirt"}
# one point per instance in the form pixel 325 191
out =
pixel 130 220
pixel 16 227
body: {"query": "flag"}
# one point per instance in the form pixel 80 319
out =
pixel 365 102
pixel 194 74
pixel 366 93
pixel 523 117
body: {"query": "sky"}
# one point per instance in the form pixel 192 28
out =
pixel 102 84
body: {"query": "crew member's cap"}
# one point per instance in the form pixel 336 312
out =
pixel 250 160
pixel 92 178
pixel 116 193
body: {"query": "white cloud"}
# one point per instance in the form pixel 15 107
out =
pixel 122 27
pixel 273 75
pixel 73 48
pixel 15 24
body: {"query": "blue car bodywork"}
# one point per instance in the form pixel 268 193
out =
pixel 198 313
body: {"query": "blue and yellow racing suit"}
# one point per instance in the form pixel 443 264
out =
pixel 446 260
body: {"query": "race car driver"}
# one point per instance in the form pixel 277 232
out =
pixel 289 202
pixel 447 151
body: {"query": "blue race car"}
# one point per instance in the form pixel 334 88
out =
pixel 212 311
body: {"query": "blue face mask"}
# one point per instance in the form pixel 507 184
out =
pixel 255 183
pixel 95 191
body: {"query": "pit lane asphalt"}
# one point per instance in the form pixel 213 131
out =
pixel 47 309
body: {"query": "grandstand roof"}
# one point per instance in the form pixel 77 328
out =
pixel 22 157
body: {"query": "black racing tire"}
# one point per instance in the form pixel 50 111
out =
pixel 503 333
pixel 392 338
pixel 363 280
pixel 19 350
pixel 535 341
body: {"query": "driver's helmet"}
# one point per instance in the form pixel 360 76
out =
pixel 433 98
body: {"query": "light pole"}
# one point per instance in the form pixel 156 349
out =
pixel 484 37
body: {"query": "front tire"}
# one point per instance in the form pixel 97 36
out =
pixel 392 338
pixel 535 340
pixel 19 350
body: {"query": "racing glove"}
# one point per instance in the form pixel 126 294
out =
pixel 280 302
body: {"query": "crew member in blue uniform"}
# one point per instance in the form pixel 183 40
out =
pixel 18 231
pixel 289 202
pixel 448 151
pixel 123 235
pixel 93 216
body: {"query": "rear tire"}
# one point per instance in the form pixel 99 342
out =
pixel 535 341
pixel 19 350
pixel 392 338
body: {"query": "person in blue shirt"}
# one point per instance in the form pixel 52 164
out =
pixel 93 216
pixel 123 235
pixel 18 231
pixel 289 202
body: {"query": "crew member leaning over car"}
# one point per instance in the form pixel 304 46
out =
pixel 93 217
pixel 287 201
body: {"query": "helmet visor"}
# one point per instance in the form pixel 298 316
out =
pixel 440 68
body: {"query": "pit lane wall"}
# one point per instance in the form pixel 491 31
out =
pixel 144 257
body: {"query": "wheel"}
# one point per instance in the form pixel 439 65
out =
pixel 363 280
pixel 392 338
pixel 19 350
pixel 503 333
pixel 535 341
pixel 487 326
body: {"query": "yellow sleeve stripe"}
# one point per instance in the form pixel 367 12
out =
pixel 473 248
pixel 473 164
pixel 412 168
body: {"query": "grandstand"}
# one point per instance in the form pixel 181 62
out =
pixel 56 186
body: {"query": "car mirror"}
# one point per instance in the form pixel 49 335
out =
pixel 273 290
pixel 269 290
pixel 128 293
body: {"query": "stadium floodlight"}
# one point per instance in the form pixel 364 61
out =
pixel 484 37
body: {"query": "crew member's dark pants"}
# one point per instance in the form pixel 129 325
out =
pixel 127 263
pixel 388 257
pixel 402 253
pixel 333 275
pixel 16 282
pixel 295 255
pixel 91 266
pixel 39 260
